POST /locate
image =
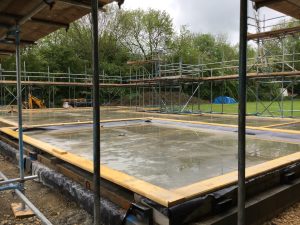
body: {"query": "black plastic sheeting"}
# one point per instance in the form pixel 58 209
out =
pixel 110 213
pixel 8 151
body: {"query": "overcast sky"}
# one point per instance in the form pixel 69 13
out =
pixel 204 16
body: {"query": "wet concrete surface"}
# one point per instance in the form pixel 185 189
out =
pixel 167 156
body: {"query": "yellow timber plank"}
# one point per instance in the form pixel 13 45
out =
pixel 196 122
pixel 157 194
pixel 207 115
pixel 88 122
pixel 233 126
pixel 10 123
pixel 216 183
pixel 282 124
pixel 74 123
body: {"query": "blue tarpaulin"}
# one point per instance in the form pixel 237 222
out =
pixel 224 100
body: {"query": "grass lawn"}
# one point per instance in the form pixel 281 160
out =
pixel 274 109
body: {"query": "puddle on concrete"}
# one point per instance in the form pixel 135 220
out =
pixel 169 157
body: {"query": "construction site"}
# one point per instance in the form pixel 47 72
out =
pixel 167 143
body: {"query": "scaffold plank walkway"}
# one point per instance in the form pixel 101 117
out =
pixel 156 80
pixel 220 78
pixel 274 33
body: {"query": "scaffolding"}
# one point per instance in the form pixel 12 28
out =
pixel 165 76
pixel 172 87
pixel 17 17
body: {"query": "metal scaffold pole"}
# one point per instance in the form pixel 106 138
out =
pixel 242 112
pixel 19 101
pixel 96 114
pixel 1 88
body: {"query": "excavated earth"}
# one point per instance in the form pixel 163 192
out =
pixel 55 206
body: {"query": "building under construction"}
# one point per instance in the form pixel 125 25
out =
pixel 165 161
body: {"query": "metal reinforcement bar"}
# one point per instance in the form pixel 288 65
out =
pixel 27 202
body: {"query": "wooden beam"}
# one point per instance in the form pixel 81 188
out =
pixel 274 33
pixel 50 83
pixel 141 62
pixel 262 3
pixel 77 3
pixel 34 20
pixel 6 52
pixel 287 7
pixel 217 78
pixel 85 5
pixel 11 41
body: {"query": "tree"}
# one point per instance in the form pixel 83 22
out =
pixel 143 32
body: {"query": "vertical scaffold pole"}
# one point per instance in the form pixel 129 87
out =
pixel 96 113
pixel 1 88
pixel 242 112
pixel 19 100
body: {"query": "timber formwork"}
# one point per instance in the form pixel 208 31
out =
pixel 213 199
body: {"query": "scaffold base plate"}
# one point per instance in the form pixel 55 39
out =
pixel 18 213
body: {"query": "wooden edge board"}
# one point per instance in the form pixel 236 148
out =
pixel 157 194
pixel 232 126
pixel 216 183
pixel 282 124
pixel 209 115
pixel 274 130
pixel 293 141
pixel 251 117
pixel 49 109
pixel 10 123
pixel 14 125
pixel 67 110
pixel 196 122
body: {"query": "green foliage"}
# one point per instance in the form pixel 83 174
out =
pixel 193 48
pixel 139 34
pixel 144 33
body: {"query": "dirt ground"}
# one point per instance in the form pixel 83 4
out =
pixel 291 216
pixel 56 207
pixel 61 210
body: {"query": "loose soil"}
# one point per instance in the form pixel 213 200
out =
pixel 55 206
